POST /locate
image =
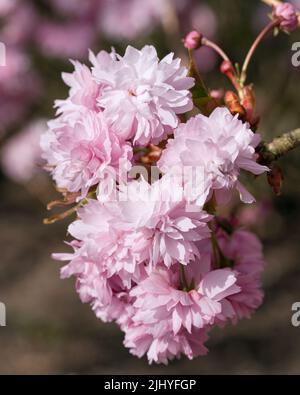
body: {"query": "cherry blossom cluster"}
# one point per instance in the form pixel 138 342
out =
pixel 152 255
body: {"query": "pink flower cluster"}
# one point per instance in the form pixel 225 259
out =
pixel 120 102
pixel 151 269
pixel 221 145
pixel 151 257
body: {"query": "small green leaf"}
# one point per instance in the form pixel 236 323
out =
pixel 200 94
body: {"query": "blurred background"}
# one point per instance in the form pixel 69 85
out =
pixel 48 329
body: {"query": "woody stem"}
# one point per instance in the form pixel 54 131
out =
pixel 277 148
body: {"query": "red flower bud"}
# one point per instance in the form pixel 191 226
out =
pixel 275 179
pixel 234 106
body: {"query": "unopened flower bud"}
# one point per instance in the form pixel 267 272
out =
pixel 287 15
pixel 226 67
pixel 249 103
pixel 234 106
pixel 217 94
pixel 275 179
pixel 193 40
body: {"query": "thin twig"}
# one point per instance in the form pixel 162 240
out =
pixel 257 41
pixel 205 41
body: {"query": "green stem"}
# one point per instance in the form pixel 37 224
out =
pixel 65 214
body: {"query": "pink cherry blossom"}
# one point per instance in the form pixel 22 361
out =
pixel 245 250
pixel 160 296
pixel 163 346
pixel 120 252
pixel 167 321
pixel 21 155
pixel 133 235
pixel 80 152
pixel 172 226
pixel 139 95
pixel 106 295
pixel 142 95
pixel 84 90
pixel 221 145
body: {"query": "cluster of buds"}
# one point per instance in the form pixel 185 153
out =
pixel 243 101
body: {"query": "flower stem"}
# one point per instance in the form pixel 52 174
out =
pixel 65 214
pixel 255 44
pixel 230 72
pixel 215 47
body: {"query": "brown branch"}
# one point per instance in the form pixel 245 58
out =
pixel 274 150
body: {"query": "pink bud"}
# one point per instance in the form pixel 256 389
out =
pixel 193 40
pixel 226 67
pixel 217 94
pixel 287 15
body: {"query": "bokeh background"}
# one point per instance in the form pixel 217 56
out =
pixel 48 329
